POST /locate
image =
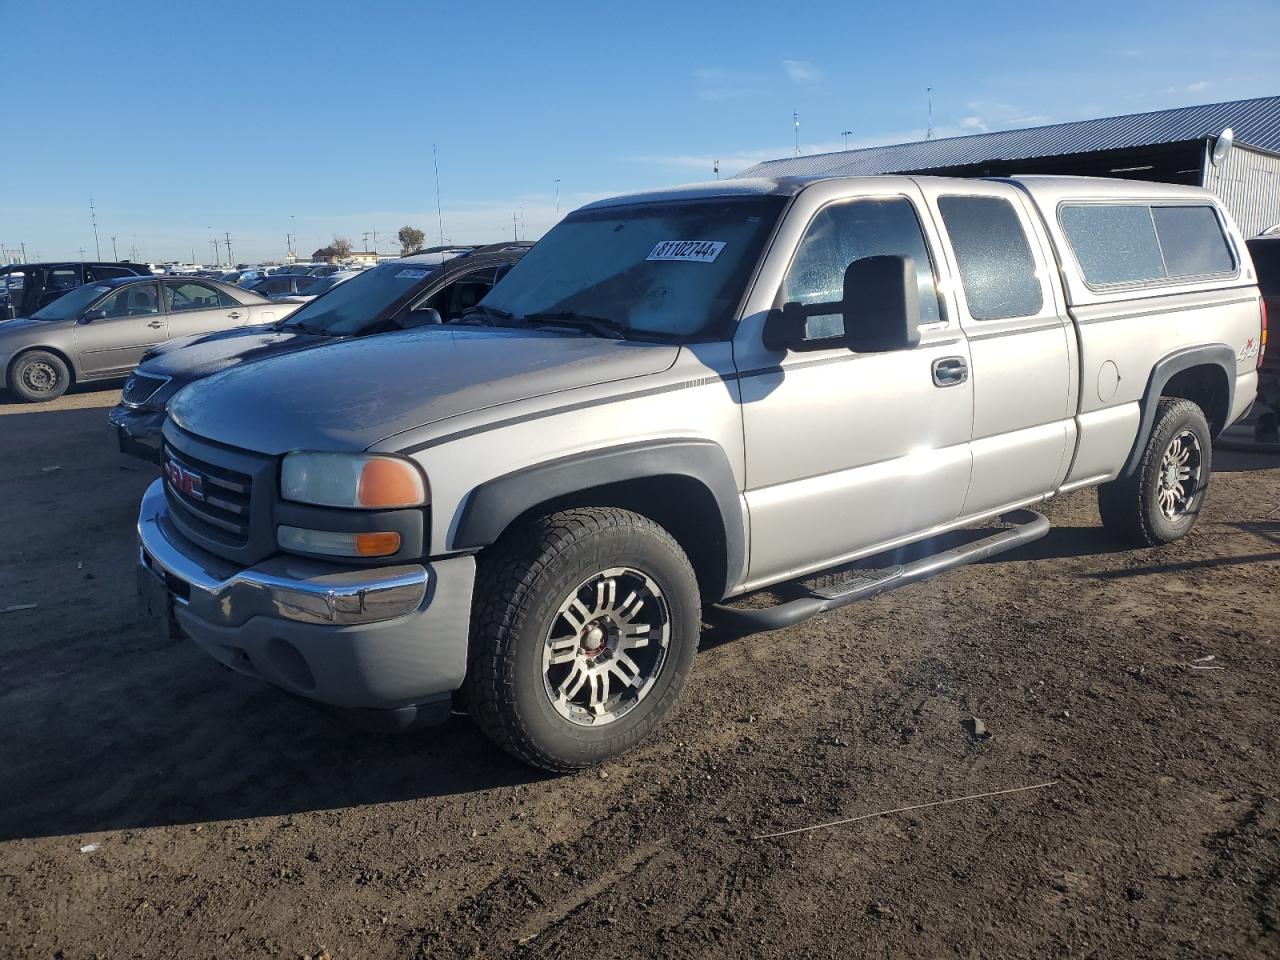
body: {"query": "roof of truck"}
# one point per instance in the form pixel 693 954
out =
pixel 1063 186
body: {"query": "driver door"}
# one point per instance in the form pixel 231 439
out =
pixel 115 343
pixel 847 453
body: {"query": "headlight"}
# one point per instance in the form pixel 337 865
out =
pixel 360 480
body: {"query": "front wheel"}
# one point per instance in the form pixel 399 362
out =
pixel 38 375
pixel 585 626
pixel 1159 502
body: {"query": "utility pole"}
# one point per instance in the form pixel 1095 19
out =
pixel 515 232
pixel 929 134
pixel 293 237
pixel 114 255
pixel 24 251
pixel 715 165
pixel 845 134
pixel 231 261
pixel 93 215
pixel 365 235
pixel 82 254
pixel 558 199
pixel 795 116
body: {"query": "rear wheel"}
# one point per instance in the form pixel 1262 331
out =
pixel 585 627
pixel 38 375
pixel 1159 502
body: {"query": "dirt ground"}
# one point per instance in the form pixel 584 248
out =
pixel 153 804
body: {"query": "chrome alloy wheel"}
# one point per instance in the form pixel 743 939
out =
pixel 1179 479
pixel 39 377
pixel 606 646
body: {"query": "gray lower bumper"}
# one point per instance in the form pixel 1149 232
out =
pixel 376 638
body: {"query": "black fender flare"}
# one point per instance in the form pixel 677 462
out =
pixel 1216 354
pixel 493 505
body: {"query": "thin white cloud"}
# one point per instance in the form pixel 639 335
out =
pixel 1198 86
pixel 800 71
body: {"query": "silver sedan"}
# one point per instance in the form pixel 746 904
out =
pixel 101 330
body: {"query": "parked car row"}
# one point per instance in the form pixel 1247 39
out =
pixel 529 489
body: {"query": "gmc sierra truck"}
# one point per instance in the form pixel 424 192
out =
pixel 681 397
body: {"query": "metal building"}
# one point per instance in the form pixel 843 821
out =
pixel 1172 146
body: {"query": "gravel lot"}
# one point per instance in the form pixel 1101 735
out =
pixel 154 805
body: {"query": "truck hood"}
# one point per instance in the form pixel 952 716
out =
pixel 351 394
pixel 192 357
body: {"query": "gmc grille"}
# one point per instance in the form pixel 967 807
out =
pixel 223 513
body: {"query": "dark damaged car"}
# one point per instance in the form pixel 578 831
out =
pixel 414 291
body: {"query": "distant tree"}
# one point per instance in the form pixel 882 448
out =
pixel 411 239
pixel 341 247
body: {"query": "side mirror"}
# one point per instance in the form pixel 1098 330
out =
pixel 880 311
pixel 91 315
pixel 422 317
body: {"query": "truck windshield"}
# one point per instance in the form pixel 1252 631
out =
pixel 359 303
pixel 674 269
pixel 72 304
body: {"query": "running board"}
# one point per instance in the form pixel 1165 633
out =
pixel 865 584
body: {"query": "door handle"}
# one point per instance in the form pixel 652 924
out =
pixel 949 371
pixel 234 315
pixel 155 324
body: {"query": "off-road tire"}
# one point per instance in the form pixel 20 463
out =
pixel 520 583
pixel 49 363
pixel 1129 505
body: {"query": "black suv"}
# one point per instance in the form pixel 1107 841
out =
pixel 26 287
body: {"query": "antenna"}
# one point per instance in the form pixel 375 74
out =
pixel 435 160
pixel 795 116
pixel 93 215
pixel 929 133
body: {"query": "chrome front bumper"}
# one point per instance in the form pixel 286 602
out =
pixel 363 637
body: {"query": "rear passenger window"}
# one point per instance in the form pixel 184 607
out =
pixel 1192 241
pixel 1137 243
pixel 844 232
pixel 997 269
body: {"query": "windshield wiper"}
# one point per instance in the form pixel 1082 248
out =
pixel 600 326
pixel 487 315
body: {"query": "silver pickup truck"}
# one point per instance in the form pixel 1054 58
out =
pixel 681 397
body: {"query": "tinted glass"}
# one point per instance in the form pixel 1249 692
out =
pixel 996 267
pixel 1266 260
pixel 64 308
pixel 190 296
pixel 844 232
pixel 1113 244
pixel 361 302
pixel 134 300
pixel 672 269
pixel 1192 241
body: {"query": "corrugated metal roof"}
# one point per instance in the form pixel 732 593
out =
pixel 1255 123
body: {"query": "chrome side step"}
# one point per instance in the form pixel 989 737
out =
pixel 1028 526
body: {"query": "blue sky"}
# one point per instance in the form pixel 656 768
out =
pixel 177 118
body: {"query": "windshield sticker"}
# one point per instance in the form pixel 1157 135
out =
pixel 407 274
pixel 699 251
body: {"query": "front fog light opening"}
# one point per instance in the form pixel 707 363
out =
pixel 332 543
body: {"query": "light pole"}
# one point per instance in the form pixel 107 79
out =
pixel 557 200
pixel 93 215
pixel 845 134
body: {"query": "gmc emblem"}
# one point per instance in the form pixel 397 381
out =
pixel 183 480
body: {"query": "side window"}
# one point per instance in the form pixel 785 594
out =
pixel 190 296
pixel 997 270
pixel 1192 241
pixel 106 273
pixel 57 282
pixel 1137 243
pixel 133 300
pixel 226 300
pixel 850 230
